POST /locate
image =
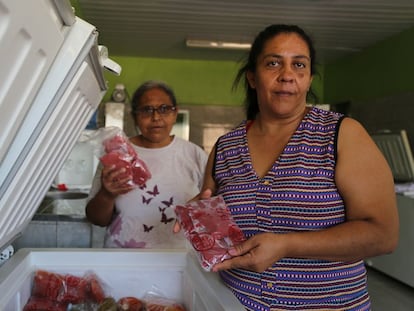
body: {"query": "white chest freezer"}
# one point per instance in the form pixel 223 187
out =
pixel 175 274
pixel 51 84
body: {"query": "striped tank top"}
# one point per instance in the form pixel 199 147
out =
pixel 297 194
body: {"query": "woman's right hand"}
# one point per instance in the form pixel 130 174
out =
pixel 114 181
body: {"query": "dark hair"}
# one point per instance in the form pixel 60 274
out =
pixel 149 85
pixel 252 106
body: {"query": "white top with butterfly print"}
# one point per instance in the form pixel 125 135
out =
pixel 144 217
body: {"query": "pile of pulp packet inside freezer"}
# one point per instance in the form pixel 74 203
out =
pixel 66 292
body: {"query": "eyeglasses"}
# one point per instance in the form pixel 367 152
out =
pixel 163 110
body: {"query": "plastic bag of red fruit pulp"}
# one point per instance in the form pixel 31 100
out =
pixel 210 228
pixel 113 147
pixel 54 291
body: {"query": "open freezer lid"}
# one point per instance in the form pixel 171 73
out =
pixel 27 51
pixel 42 125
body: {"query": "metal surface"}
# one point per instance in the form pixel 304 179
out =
pixel 397 151
pixel 59 195
pixel 399 264
pixel 160 28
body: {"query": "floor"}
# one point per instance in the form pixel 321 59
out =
pixel 388 294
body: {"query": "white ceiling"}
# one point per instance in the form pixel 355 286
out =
pixel 159 28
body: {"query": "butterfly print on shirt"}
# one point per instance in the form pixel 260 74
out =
pixel 165 219
pixel 147 228
pixel 146 200
pixel 168 203
pixel 154 192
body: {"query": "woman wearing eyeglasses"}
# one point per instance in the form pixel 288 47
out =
pixel 143 217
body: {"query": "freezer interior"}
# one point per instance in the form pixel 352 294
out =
pixel 175 274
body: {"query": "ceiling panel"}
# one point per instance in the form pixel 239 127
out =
pixel 160 28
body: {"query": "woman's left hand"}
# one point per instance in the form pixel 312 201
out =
pixel 256 254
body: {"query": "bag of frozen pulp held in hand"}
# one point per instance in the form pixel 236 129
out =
pixel 117 150
pixel 210 228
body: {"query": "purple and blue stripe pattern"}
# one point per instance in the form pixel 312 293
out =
pixel 297 194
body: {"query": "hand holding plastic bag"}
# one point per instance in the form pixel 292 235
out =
pixel 115 149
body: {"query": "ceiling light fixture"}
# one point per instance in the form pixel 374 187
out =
pixel 217 44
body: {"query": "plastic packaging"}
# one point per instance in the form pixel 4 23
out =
pixel 209 227
pixel 54 291
pixel 130 304
pixel 113 148
pixel 157 301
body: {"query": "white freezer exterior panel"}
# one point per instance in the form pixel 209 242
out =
pixel 57 114
pixel 176 274
pixel 30 37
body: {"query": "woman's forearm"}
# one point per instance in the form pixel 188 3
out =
pixel 100 208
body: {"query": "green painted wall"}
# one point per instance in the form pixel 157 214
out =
pixel 381 70
pixel 76 7
pixel 195 82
